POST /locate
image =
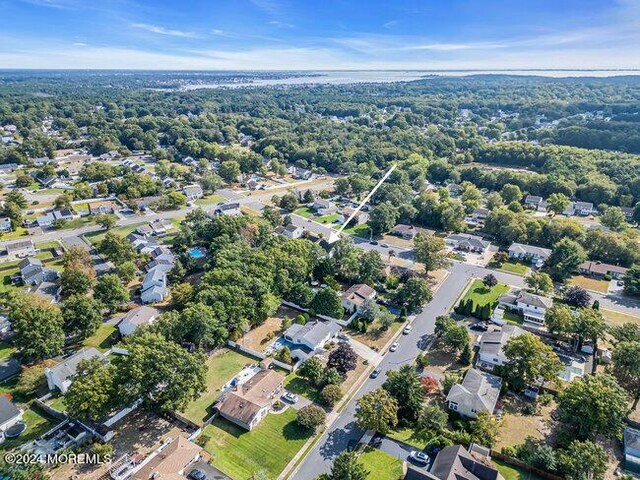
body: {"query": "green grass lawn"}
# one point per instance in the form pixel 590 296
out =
pixel 301 386
pixel 381 465
pixel 210 200
pixel 6 350
pixel 305 212
pixel 512 267
pixel 482 295
pixel 509 472
pixel 359 230
pixel 58 404
pixel 270 446
pixel 17 233
pixel 328 218
pixel 37 422
pixel 96 237
pixel 221 367
pixel 103 339
pixel 408 436
pixel 514 318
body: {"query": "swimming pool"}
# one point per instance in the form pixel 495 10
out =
pixel 196 252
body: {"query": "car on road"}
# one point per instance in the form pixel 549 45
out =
pixel 373 242
pixel 394 346
pixel 419 457
pixel 385 245
pixel 375 373
pixel 196 474
pixel 407 329
pixel 290 397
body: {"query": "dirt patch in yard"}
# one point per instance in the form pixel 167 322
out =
pixel 375 338
pixel 589 283
pixel 260 337
pixel 395 241
pixel 516 426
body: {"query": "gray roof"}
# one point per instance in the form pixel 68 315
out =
pixel 68 367
pixel 455 463
pixel 20 245
pixel 478 391
pixel 522 249
pixel 9 368
pixel 313 331
pixel 140 316
pixel 493 342
pixel 631 438
pixel 534 300
pixel 533 199
pixel 7 410
pixel 472 240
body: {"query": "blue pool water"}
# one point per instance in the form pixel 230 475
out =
pixel 196 252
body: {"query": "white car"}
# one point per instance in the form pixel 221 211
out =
pixel 407 329
pixel 290 397
pixel 394 347
pixel 419 457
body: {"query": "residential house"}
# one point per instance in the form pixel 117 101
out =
pixel 134 318
pixel 628 213
pixel 324 207
pixel 529 253
pixel 408 232
pixel 579 208
pixel 172 462
pixel 477 393
pixel 359 219
pixel 142 244
pixel 61 375
pixel 228 209
pixel 300 173
pixel 5 225
pixel 457 463
pixel 250 403
pixel 20 249
pixel 290 231
pixel 145 203
pixel 478 216
pixel 631 442
pixel 33 272
pixel 161 226
pixel 154 286
pixel 145 230
pixel 532 307
pixel 48 290
pixel 102 208
pixel 47 182
pixel 355 296
pixel 193 192
pixel 310 337
pixel 467 243
pixel 9 415
pixel 454 189
pixel 535 202
pixel 491 346
pixel 599 269
pixel 49 218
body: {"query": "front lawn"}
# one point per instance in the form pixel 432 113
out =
pixel 589 283
pixel 328 218
pixel 103 339
pixel 301 386
pixel 358 231
pixel 511 266
pixel 305 212
pixel 221 367
pixel 381 465
pixel 96 237
pixel 409 436
pixel 374 337
pixel 618 318
pixel 480 294
pixel 6 350
pixel 210 200
pixel 270 446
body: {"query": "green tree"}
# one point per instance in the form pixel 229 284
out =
pixel 75 282
pixel 327 302
pixel 511 193
pixel 583 461
pixel 529 361
pixel 330 395
pixel 312 369
pixel 626 368
pixel 311 417
pixel 587 325
pixel 91 395
pixel 127 271
pixel 181 295
pixel 369 310
pixel 484 429
pixel 632 281
pixel 343 359
pixel 229 171
pixel 404 385
pixel 347 466
pixel 382 218
pixel 613 217
pixel 105 221
pixel 82 316
pixel 289 202
pixel 430 251
pixel 558 319
pixel 414 293
pixel 565 258
pixel 539 282
pixel 594 405
pixel 161 372
pixel 37 326
pixel 111 292
pixel 377 411
pixel 558 202
pixel 433 418
pixel 117 248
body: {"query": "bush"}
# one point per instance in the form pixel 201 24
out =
pixel 284 355
pixel 103 450
pixel 331 394
pixel 202 440
pixel 528 409
pixel 311 417
pixel 437 443
pixel 301 320
pixel 607 277
pixel 545 399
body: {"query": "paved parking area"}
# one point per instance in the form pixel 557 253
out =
pixel 400 450
pixel 211 472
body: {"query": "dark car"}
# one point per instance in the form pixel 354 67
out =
pixel 480 327
pixel 196 474
pixel 376 441
pixel 375 373
pixel 373 242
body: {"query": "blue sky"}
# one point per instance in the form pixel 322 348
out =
pixel 320 34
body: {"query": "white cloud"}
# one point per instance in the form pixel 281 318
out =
pixel 162 30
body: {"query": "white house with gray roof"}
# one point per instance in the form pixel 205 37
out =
pixel 5 225
pixel 491 346
pixel 20 249
pixel 137 317
pixel 532 307
pixel 579 208
pixel 467 243
pixel 33 272
pixel 154 286
pixel 311 336
pixel 61 375
pixel 529 253
pixel 478 392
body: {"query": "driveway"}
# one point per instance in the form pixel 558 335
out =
pixel 364 351
pixel 211 472
pixel 401 450
pixel 301 403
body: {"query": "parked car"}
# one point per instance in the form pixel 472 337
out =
pixel 375 373
pixel 196 474
pixel 419 457
pixel 385 245
pixel 407 330
pixel 373 242
pixel 393 347
pixel 480 327
pixel 376 441
pixel 290 397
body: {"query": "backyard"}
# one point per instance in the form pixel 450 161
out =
pixel 381 465
pixel 270 446
pixel 221 367
pixel 103 339
pixel 509 472
pixel 96 237
pixel 37 422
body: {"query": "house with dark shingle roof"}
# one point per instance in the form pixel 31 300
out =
pixel 599 269
pixel 355 296
pixel 477 393
pixel 9 414
pixel 467 243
